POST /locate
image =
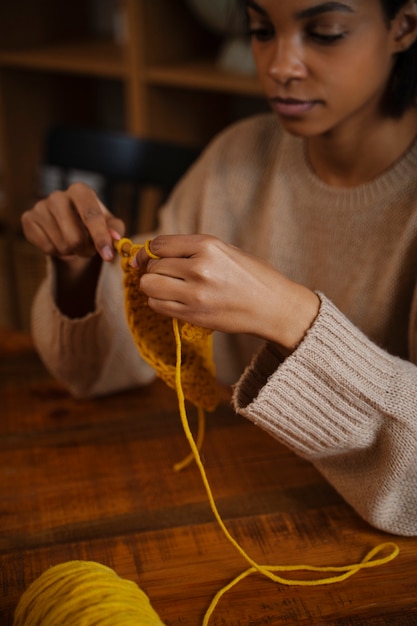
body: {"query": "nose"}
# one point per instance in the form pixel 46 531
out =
pixel 286 62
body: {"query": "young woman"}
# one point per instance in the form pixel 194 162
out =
pixel 295 237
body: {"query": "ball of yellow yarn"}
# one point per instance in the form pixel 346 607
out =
pixel 84 593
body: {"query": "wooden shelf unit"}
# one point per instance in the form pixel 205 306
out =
pixel 53 67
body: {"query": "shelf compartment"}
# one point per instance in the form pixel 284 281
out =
pixel 94 58
pixel 205 76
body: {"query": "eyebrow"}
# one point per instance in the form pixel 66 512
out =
pixel 313 11
pixel 326 7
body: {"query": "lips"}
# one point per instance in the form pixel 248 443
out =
pixel 291 107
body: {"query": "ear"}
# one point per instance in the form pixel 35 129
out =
pixel 404 27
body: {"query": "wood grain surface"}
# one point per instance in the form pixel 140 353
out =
pixel 94 480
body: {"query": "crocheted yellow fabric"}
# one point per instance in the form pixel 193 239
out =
pixel 154 337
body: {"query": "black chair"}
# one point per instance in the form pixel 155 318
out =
pixel 122 161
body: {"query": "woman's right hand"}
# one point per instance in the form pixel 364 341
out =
pixel 72 224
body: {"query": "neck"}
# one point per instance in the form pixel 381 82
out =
pixel 351 157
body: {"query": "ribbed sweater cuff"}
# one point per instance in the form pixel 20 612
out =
pixel 328 396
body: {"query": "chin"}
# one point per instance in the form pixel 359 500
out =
pixel 303 128
pixel 299 130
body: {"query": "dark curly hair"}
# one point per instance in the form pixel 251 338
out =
pixel 401 92
pixel 402 87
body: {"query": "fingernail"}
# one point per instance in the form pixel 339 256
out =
pixel 114 234
pixel 134 262
pixel 107 253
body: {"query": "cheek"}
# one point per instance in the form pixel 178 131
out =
pixel 372 60
pixel 362 72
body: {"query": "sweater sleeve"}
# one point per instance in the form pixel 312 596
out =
pixel 347 406
pixel 92 355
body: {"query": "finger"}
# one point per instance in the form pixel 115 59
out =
pixel 177 246
pixel 37 236
pixel 116 228
pixel 164 292
pixel 180 245
pixel 69 236
pixel 95 217
pixel 115 225
pixel 178 268
pixel 141 259
pixel 54 228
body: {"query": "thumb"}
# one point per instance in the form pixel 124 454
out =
pixel 116 227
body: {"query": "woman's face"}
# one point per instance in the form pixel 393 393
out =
pixel 322 63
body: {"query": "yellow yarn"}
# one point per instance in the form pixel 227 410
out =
pixel 85 593
pixel 153 336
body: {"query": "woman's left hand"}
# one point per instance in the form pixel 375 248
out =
pixel 205 281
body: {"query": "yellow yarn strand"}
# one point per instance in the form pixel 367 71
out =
pixel 266 570
pixel 199 442
pixel 86 593
pixel 148 250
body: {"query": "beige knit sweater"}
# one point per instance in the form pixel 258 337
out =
pixel 346 399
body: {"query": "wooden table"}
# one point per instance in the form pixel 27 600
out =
pixel 93 480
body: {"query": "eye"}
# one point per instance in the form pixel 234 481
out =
pixel 325 32
pixel 326 39
pixel 261 33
